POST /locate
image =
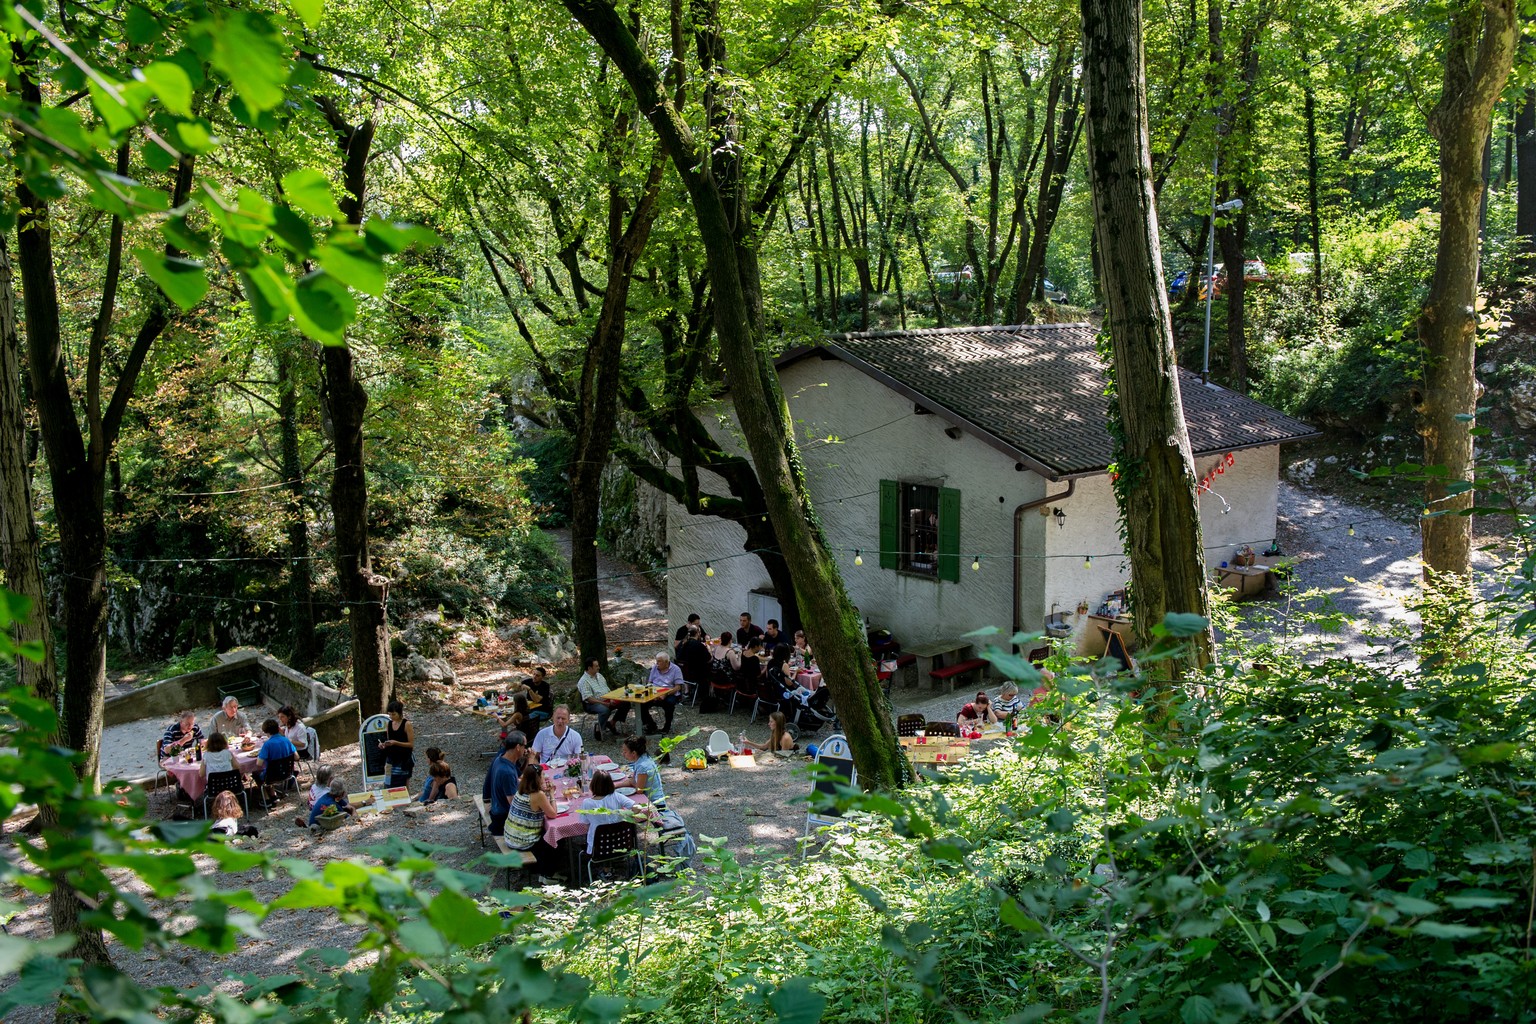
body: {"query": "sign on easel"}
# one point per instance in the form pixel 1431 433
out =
pixel 370 739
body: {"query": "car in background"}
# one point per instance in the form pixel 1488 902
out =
pixel 1054 294
pixel 1177 284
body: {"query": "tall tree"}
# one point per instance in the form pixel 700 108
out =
pixel 716 172
pixel 1156 485
pixel 1479 52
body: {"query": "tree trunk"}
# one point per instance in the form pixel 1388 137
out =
pixel 18 528
pixel 1156 488
pixel 1232 239
pixel 714 176
pixel 365 593
pixel 1314 220
pixel 301 610
pixel 1480 48
pixel 1525 178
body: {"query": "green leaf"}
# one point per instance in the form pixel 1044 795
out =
pixel 183 281
pixel 195 136
pixel 1197 1010
pixel 252 56
pixel 796 1002
pixel 1014 917
pixel 385 239
pixel 309 190
pixel 171 84
pixel 293 231
pixel 325 307
pixel 113 110
pixel 359 270
pixel 1290 926
pixel 309 11
pixel 458 917
pixel 1442 930
pixel 1184 624
pixel 140 26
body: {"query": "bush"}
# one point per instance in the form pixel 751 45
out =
pixel 478 579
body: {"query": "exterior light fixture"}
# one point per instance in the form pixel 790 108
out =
pixel 1061 518
pixel 709 570
pixel 858 557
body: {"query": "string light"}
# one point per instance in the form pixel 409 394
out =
pixel 975 563
pixel 559 595
pixel 709 570
pixel 1087 561
pixel 1351 529
pixel 858 557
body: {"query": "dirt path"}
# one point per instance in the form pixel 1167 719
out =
pixel 634 612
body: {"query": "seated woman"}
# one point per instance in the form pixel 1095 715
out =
pixel 518 718
pixel 217 756
pixel 724 656
pixel 605 807
pixel 293 727
pixel 1008 702
pixel 440 784
pixel 646 774
pixel 977 714
pixel 530 809
pixel 783 736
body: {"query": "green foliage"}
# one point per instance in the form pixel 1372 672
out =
pixel 486 579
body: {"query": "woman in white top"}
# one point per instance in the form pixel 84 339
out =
pixel 216 756
pixel 293 727
pixel 605 807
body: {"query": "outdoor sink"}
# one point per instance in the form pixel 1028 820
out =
pixel 1057 626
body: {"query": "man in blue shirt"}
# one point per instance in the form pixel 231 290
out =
pixel 275 748
pixel 663 673
pixel 501 781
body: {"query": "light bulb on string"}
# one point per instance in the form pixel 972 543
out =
pixel 559 595
pixel 709 570
pixel 1351 529
pixel 858 557
pixel 976 563
pixel 1087 561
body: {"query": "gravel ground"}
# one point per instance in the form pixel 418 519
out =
pixel 753 808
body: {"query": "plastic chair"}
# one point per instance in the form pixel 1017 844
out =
pixel 279 775
pixel 942 729
pixel 160 772
pixel 719 744
pixel 910 725
pixel 614 843
pixel 225 782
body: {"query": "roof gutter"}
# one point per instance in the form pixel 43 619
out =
pixel 1018 553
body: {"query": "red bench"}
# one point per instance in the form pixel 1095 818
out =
pixel 950 674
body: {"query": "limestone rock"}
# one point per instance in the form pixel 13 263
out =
pixel 1522 402
pixel 417 666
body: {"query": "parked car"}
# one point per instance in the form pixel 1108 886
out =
pixel 1177 284
pixel 1054 294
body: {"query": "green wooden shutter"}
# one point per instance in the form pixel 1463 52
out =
pixel 890 524
pixel 949 534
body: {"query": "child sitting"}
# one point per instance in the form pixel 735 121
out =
pixel 335 796
pixel 322 785
pixel 440 782
pixel 227 814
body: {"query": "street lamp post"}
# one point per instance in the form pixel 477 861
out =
pixel 1210 271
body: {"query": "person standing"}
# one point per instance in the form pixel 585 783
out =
pixel 593 689
pixel 663 673
pixel 557 740
pixel 399 745
pixel 694 661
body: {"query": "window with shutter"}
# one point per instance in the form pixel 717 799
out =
pixel 890 533
pixel 949 534
pixel 920 529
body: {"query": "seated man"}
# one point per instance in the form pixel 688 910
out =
pixel 557 742
pixel 230 720
pixel 502 779
pixel 663 673
pixel 747 630
pixel 181 734
pixel 593 689
pixel 274 748
pixel 771 636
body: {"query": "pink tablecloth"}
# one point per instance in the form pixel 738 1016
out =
pixel 572 824
pixel 809 680
pixel 194 780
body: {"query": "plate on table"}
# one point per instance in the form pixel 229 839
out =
pixel 626 791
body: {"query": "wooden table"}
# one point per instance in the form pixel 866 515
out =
pixel 932 654
pixel 1247 580
pixel 647 694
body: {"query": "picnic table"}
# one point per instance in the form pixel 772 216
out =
pixel 640 694
pixel 936 654
pixel 568 830
pixel 191 777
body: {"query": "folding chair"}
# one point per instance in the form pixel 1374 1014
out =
pixel 225 782
pixel 910 725
pixel 941 729
pixel 160 772
pixel 618 842
pixel 309 757
pixel 279 775
pixel 720 684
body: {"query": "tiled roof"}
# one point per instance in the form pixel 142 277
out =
pixel 1037 392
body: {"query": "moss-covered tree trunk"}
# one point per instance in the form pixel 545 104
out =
pixel 1156 488
pixel 713 173
pixel 1479 52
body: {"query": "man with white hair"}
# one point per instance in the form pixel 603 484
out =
pixel 230 721
pixel 663 673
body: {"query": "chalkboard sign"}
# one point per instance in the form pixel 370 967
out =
pixel 369 740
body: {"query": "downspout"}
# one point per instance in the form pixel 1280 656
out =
pixel 1018 554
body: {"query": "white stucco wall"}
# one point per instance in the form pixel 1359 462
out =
pixel 875 434
pixel 1250 487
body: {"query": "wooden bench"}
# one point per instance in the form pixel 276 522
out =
pixel 951 674
pixel 483 819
